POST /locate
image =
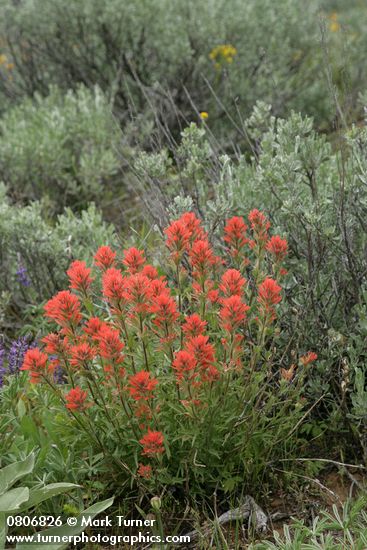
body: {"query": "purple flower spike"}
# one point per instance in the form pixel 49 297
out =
pixel 22 277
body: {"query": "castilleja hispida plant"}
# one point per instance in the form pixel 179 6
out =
pixel 173 372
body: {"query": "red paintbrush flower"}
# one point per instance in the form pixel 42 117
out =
pixel 150 271
pixel 138 292
pixel 193 325
pixel 310 357
pixel 79 276
pixel 104 257
pixel 55 344
pixel 277 247
pixel 93 326
pixel 113 284
pixel 193 225
pixel 259 225
pixel 200 348
pixel 109 344
pixel 202 257
pixel 232 283
pixel 152 443
pixel 141 386
pixel 184 365
pixel 145 471
pixel 76 399
pixel 36 363
pixel 64 308
pixel 178 238
pixel 165 310
pixel 158 287
pixel 133 259
pixel 269 296
pixel 233 312
pixel 81 354
pixel 235 235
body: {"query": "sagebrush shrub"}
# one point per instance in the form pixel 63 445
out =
pixel 219 56
pixel 62 146
pixel 174 373
pixel 35 253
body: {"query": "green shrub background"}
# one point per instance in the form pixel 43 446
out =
pixel 102 141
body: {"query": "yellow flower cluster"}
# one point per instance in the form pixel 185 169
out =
pixel 224 53
pixel 4 61
pixel 204 115
pixel 334 25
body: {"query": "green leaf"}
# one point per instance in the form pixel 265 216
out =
pixel 66 530
pixel 10 474
pixel 39 495
pixel 3 530
pixel 29 429
pixel 21 408
pixel 12 499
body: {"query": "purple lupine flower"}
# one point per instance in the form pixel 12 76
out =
pixel 59 375
pixel 3 369
pixel 17 352
pixel 22 276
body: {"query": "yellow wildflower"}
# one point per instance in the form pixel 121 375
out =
pixel 3 59
pixel 334 24
pixel 204 115
pixel 10 66
pixel 224 53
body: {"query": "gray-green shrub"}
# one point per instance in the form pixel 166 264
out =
pixel 157 54
pixel 65 147
pixel 34 254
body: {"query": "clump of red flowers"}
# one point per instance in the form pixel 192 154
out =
pixel 76 399
pixel 310 357
pixel 64 308
pixel 269 296
pixel 36 363
pixel 152 443
pixel 79 276
pixel 104 257
pixel 149 336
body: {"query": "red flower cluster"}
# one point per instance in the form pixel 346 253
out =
pixel 113 285
pixel 165 310
pixel 193 325
pixel 142 386
pixel 233 313
pixel 36 363
pixel 184 366
pixel 81 354
pixel 277 247
pixel 235 235
pixel 64 308
pixel 79 276
pixel 259 225
pixel 144 323
pixel 145 471
pixel 269 296
pixel 232 283
pixel 56 344
pixel 76 399
pixel 152 443
pixel 104 257
pixel 133 259
pixel 181 233
pixel 310 357
pixel 110 345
